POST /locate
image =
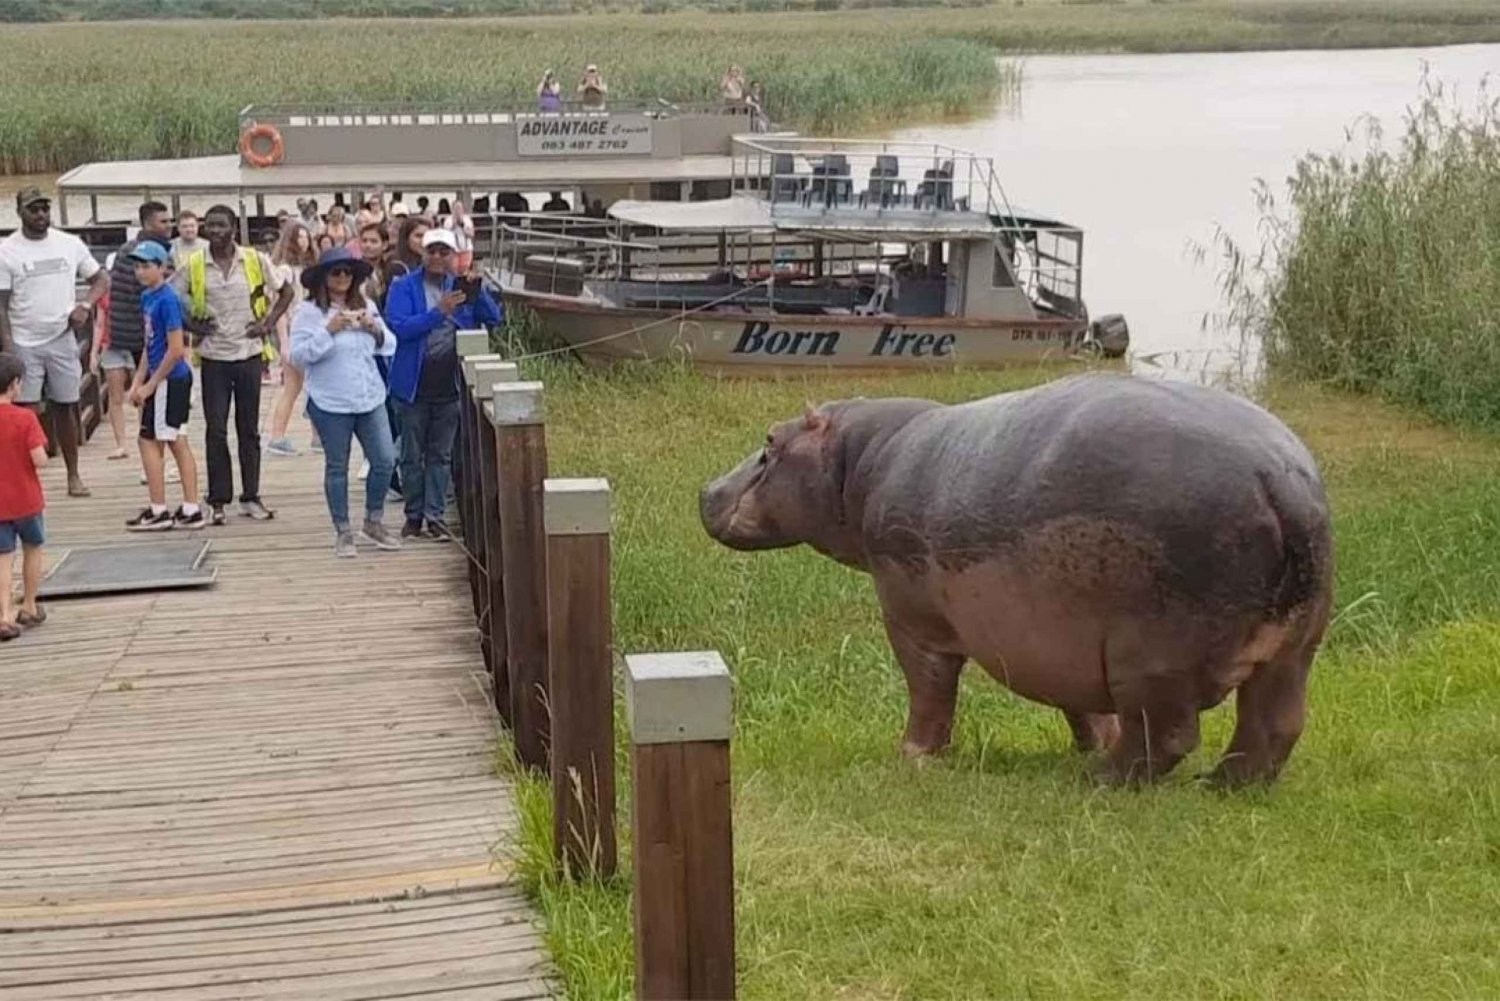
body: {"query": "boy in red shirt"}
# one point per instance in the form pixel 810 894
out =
pixel 23 450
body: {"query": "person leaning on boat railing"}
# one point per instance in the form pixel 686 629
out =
pixel 592 89
pixel 549 93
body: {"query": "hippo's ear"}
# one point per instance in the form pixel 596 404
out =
pixel 812 419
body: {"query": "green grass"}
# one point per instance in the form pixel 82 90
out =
pixel 72 93
pixel 1372 869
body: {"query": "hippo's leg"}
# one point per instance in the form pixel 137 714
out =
pixel 1270 706
pixel 932 686
pixel 1151 671
pixel 1093 731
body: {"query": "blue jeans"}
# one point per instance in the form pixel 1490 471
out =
pixel 427 433
pixel 374 434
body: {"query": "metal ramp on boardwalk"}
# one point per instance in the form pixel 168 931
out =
pixel 159 565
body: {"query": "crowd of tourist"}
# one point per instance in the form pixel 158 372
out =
pixel 358 313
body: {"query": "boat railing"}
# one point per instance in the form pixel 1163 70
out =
pixel 829 175
pixel 1046 261
pixel 464 112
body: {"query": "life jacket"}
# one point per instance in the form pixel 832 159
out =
pixel 260 303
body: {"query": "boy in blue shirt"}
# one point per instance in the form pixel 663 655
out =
pixel 162 388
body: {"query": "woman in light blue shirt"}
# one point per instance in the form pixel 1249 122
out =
pixel 336 336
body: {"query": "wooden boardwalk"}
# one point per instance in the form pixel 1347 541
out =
pixel 282 786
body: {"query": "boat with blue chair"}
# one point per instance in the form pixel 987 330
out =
pixel 826 253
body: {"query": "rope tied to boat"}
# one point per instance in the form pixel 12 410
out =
pixel 674 318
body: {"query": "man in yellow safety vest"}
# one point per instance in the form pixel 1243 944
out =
pixel 234 298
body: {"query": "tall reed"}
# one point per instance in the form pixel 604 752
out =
pixel 1381 274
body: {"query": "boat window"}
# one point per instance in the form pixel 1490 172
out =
pixel 1002 278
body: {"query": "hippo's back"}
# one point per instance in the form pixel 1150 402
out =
pixel 1216 494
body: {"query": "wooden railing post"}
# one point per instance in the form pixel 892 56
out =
pixel 473 347
pixel 488 375
pixel 521 444
pixel 481 373
pixel 680 707
pixel 579 671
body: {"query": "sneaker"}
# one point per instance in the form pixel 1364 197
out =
pixel 189 521
pixel 282 446
pixel 411 530
pixel 343 545
pixel 437 532
pixel 316 448
pixel 150 521
pixel 374 531
pixel 217 516
pixel 256 510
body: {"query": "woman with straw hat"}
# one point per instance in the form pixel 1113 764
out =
pixel 336 336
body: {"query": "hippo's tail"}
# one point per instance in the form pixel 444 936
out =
pixel 1301 510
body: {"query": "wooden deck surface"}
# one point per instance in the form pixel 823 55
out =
pixel 282 786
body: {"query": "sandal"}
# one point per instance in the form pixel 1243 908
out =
pixel 8 631
pixel 27 620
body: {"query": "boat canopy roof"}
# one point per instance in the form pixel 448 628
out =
pixel 737 213
pixel 225 175
pixel 748 213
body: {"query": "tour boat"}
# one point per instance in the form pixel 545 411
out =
pixel 695 231
pixel 827 253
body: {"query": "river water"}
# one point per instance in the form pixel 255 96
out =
pixel 1148 154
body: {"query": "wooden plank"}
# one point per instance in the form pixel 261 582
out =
pixel 282 786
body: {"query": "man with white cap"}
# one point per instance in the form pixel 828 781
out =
pixel 39 315
pixel 426 309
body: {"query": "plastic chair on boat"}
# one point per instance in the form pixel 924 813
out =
pixel 884 186
pixel 785 185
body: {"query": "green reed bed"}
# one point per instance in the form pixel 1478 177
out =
pixel 77 93
pixel 1382 273
pixel 1371 870
pixel 72 93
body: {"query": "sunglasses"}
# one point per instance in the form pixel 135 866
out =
pixel 340 272
pixel 440 248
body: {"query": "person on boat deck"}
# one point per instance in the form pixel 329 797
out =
pixel 592 89
pixel 372 211
pixel 549 93
pixel 732 86
pixel 426 309
pixel 307 212
pixel 337 335
pixel 556 203
pixel 234 298
pixel 755 97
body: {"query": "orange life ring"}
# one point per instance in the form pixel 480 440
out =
pixel 247 145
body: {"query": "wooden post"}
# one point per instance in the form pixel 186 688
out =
pixel 466 484
pixel 487 479
pixel 680 707
pixel 579 675
pixel 521 444
pixel 466 455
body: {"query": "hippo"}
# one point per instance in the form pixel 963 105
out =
pixel 1126 550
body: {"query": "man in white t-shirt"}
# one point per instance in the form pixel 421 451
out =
pixel 40 315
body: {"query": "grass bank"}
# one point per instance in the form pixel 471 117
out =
pixel 71 93
pixel 1371 870
pixel 1381 273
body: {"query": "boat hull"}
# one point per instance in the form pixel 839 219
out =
pixel 766 340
